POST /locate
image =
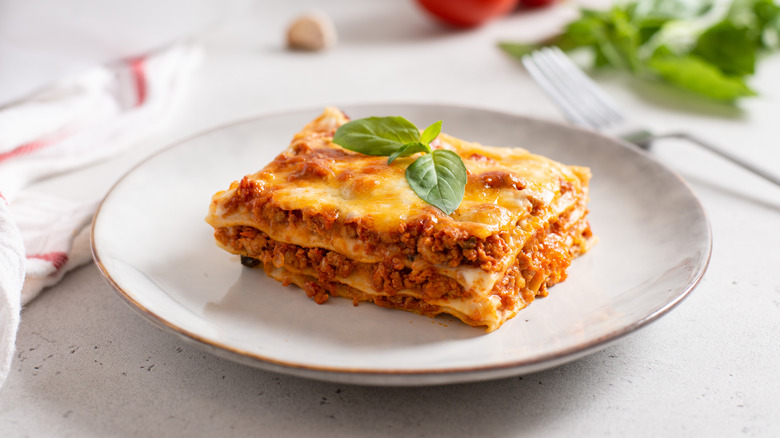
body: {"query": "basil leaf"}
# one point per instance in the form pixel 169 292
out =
pixel 619 42
pixel 650 16
pixel 582 32
pixel 409 149
pixel 722 42
pixel 430 133
pixel 439 178
pixel 695 74
pixel 518 50
pixel 730 47
pixel 761 17
pixel 376 135
pixel 671 9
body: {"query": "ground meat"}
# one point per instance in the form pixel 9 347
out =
pixel 408 303
pixel 389 276
pixel 425 236
pixel 498 179
pixel 316 292
pixel 311 170
pixel 542 262
pixel 392 277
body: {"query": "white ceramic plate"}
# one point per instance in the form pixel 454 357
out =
pixel 150 241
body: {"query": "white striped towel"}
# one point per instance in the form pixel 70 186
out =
pixel 72 124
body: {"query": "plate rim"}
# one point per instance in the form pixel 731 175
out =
pixel 401 377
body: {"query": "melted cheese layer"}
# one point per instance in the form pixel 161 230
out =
pixel 317 175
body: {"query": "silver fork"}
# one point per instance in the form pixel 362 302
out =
pixel 585 104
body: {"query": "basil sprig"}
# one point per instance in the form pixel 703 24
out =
pixel 438 176
pixel 709 47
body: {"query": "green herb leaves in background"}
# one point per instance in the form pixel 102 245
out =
pixel 438 176
pixel 705 46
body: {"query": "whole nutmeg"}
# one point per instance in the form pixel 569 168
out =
pixel 312 31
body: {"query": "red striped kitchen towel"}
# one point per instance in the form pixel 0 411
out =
pixel 75 122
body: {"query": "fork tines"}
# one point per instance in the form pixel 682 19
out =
pixel 582 100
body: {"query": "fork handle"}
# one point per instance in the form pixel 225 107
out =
pixel 727 155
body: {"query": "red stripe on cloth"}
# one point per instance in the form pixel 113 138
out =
pixel 137 66
pixel 57 258
pixel 35 145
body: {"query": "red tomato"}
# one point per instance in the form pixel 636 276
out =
pixel 467 13
pixel 536 3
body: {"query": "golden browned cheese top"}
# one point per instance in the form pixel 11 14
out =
pixel 505 185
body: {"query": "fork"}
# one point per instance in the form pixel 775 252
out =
pixel 585 104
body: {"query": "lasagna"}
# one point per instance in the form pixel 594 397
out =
pixel 339 223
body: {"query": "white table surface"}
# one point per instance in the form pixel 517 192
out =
pixel 89 366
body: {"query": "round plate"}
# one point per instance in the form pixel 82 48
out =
pixel 151 242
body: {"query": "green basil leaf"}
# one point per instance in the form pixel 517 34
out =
pixel 409 149
pixel 670 9
pixel 430 133
pixel 752 13
pixel 518 50
pixel 762 17
pixel 439 178
pixel 376 135
pixel 582 32
pixel 730 47
pixel 699 76
pixel 620 42
pixel 704 46
pixel 767 15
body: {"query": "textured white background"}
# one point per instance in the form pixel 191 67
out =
pixel 87 365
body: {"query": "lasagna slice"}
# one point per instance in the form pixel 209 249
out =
pixel 340 223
